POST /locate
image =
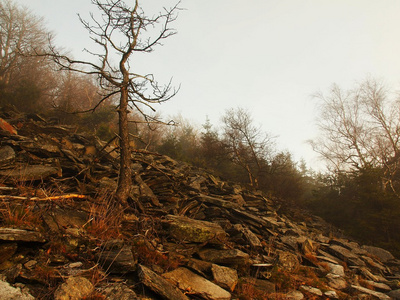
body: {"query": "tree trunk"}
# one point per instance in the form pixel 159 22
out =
pixel 125 173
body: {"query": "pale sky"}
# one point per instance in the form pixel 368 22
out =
pixel 268 56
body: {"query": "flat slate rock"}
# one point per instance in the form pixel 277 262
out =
pixel 196 285
pixel 21 235
pixel 190 230
pixel 30 173
pixel 229 257
pixel 159 285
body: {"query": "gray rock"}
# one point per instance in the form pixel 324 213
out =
pixel 252 239
pixel 288 261
pixel 7 292
pixel 224 257
pixel 346 255
pixel 331 295
pixel 118 291
pixel 294 295
pixel 225 277
pixel 383 255
pixel 159 285
pixel 336 282
pixel 311 290
pixel 336 269
pixel 29 173
pixel 395 294
pixel 74 288
pixel 117 261
pixel 196 285
pixel 364 290
pixel 7 154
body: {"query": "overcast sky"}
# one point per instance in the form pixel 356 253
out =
pixel 268 56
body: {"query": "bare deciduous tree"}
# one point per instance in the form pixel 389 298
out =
pixel 360 129
pixel 249 146
pixel 119 32
pixel 20 33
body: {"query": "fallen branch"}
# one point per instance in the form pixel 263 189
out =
pixel 43 199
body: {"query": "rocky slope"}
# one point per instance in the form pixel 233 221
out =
pixel 187 235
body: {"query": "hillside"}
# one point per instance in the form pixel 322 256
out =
pixel 186 235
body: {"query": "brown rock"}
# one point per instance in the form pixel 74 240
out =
pixel 159 285
pixel 196 285
pixel 74 288
pixel 225 277
pixel 20 235
pixel 190 230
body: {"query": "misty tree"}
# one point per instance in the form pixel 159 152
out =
pixel 25 80
pixel 120 31
pixel 360 129
pixel 250 147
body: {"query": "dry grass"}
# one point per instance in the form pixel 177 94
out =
pixel 105 218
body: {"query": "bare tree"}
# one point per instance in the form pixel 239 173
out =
pixel 249 146
pixel 119 32
pixel 360 129
pixel 25 80
pixel 20 33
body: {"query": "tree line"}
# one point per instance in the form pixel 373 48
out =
pixel 359 128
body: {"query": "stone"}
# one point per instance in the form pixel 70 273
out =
pixel 288 261
pixel 379 286
pixel 331 295
pixel 225 277
pixel 117 261
pixel 336 269
pixel 7 155
pixel 336 282
pixel 185 229
pixel 383 255
pixel 160 285
pixel 345 255
pixel 29 173
pixel 74 288
pixel 196 285
pixel 118 291
pixel 224 257
pixel 8 292
pixel 395 294
pixel 21 235
pixel 311 290
pixel 294 295
pixel 252 239
pixel 364 290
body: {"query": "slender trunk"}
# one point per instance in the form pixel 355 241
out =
pixel 125 174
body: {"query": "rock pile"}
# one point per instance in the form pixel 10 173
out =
pixel 187 235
